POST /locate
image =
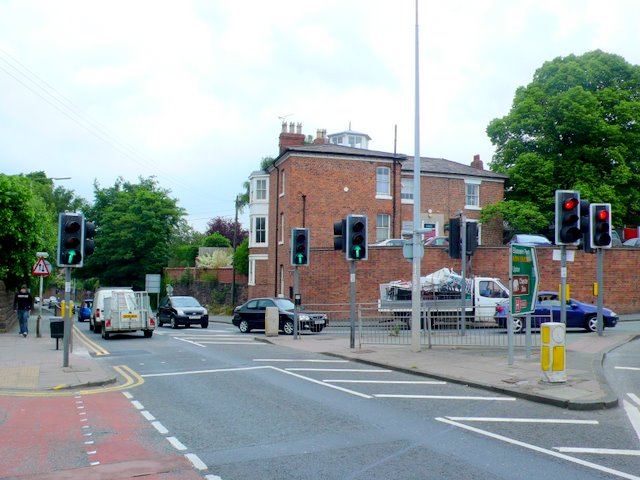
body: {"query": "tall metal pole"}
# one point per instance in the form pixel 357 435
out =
pixel 352 302
pixel 233 261
pixel 66 318
pixel 40 292
pixel 563 284
pixel 416 295
pixel 463 256
pixel 295 302
pixel 600 279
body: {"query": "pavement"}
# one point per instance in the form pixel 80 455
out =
pixel 33 364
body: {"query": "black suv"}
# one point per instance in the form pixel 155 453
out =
pixel 178 311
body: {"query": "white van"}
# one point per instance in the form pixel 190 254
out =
pixel 97 313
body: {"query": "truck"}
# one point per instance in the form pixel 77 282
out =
pixel 441 295
pixel 126 311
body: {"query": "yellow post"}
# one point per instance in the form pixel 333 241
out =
pixel 552 352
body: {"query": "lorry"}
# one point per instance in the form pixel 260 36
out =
pixel 441 295
pixel 121 310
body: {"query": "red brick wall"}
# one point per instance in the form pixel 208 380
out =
pixel 326 279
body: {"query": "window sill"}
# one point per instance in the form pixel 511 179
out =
pixel 405 201
pixel 472 207
pixel 381 196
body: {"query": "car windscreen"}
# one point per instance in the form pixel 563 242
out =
pixel 284 303
pixel 185 302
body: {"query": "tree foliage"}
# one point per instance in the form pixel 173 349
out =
pixel 216 240
pixel 241 257
pixel 135 224
pixel 575 126
pixel 226 228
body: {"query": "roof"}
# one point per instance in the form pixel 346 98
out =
pixel 428 165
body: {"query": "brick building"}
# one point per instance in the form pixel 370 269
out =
pixel 315 185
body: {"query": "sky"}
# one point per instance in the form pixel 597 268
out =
pixel 194 92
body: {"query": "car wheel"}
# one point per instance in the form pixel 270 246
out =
pixel 287 327
pixel 244 326
pixel 105 335
pixel 160 323
pixel 91 328
pixel 148 333
pixel 204 324
pixel 173 322
pixel 592 324
pixel 518 324
pixel 97 328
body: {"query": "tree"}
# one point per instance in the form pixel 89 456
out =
pixel 24 230
pixel 225 228
pixel 135 224
pixel 241 257
pixel 576 126
pixel 216 240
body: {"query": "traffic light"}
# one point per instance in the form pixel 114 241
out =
pixel 356 237
pixel 299 246
pixel 339 231
pixel 585 226
pixel 87 245
pixel 70 239
pixel 600 228
pixel 454 238
pixel 567 217
pixel 472 237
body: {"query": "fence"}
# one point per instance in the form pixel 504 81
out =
pixel 439 326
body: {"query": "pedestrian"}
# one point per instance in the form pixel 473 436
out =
pixel 23 304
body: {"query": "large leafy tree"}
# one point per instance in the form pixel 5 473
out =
pixel 225 228
pixel 135 225
pixel 25 228
pixel 575 126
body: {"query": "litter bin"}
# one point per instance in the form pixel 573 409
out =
pixel 56 326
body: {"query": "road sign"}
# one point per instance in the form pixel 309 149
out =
pixel 42 268
pixel 523 268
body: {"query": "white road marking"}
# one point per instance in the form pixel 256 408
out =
pixel 524 420
pixel 93 464
pixel 195 372
pixel 634 416
pixel 161 428
pixel 89 442
pixel 127 395
pixel 189 341
pixel 635 398
pixel 195 461
pixel 392 382
pixel 177 444
pixel 312 380
pixel 234 343
pixel 598 451
pixel 137 404
pixel 309 360
pixel 446 397
pixel 146 414
pixel 540 449
pixel 628 368
pixel 212 477
pixel 350 370
pixel 92 452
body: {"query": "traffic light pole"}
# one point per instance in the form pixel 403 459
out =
pixel 352 303
pixel 66 318
pixel 296 291
pixel 463 295
pixel 600 279
pixel 563 284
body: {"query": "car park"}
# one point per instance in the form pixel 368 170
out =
pixel 579 314
pixel 182 310
pixel 84 312
pixel 251 315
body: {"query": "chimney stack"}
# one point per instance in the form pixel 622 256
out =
pixel 321 137
pixel 291 138
pixel 477 163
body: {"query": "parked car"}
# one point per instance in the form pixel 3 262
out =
pixel 251 315
pixel 616 241
pixel 436 242
pixel 389 242
pixel 632 242
pixel 182 310
pixel 529 239
pixel 84 312
pixel 53 301
pixel 579 314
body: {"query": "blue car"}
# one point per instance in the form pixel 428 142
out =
pixel 84 312
pixel 579 314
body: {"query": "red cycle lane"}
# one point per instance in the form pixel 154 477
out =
pixel 90 436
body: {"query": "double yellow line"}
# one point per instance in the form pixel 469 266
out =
pixel 94 347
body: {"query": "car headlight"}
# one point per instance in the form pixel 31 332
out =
pixel 179 311
pixel 303 317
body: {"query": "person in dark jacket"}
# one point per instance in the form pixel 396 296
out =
pixel 23 304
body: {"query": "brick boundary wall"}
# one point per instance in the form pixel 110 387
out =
pixel 326 279
pixel 8 317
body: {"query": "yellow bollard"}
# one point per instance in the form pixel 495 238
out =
pixel 552 353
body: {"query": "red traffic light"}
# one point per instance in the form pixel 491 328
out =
pixel 570 203
pixel 602 215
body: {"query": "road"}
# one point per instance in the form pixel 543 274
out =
pixel 244 409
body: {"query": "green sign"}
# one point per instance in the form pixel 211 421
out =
pixel 523 272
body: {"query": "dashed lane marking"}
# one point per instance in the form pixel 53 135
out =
pixel 598 451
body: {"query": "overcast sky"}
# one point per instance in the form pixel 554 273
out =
pixel 193 92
